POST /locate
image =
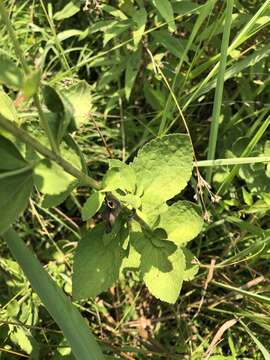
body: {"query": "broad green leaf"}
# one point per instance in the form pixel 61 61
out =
pixel 120 176
pixel 10 74
pixel 79 96
pixel 7 108
pixel 163 167
pixel 70 154
pixel 181 222
pixel 52 99
pixel 14 195
pixel 92 205
pixel 130 200
pixel 31 84
pixel 51 179
pixel 162 268
pixel 140 19
pixel 132 69
pixel 62 111
pixel 70 9
pixel 133 260
pixel 10 157
pixel 55 200
pixel 96 265
pixel 166 11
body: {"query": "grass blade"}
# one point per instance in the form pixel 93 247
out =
pixel 75 329
pixel 219 89
pixel 263 350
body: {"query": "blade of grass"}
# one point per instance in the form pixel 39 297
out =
pixel 68 318
pixel 205 11
pixel 118 46
pixel 240 38
pixel 260 346
pixel 62 55
pixel 219 89
pixel 258 297
pixel 250 60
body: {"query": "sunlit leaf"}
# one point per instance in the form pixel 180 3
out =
pixel 92 205
pixel 166 11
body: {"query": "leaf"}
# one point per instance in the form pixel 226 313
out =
pixel 31 84
pixel 55 200
pixel 63 111
pixel 96 265
pixel 116 28
pixel 113 11
pixel 10 74
pixel 132 69
pixel 163 168
pixel 14 195
pixel 163 268
pixel 184 7
pixel 70 9
pixel 79 96
pixel 23 338
pixel 171 43
pixel 120 176
pixel 51 179
pixel 166 11
pixel 92 205
pixel 52 99
pixel 67 34
pixel 131 200
pixel 7 108
pixel 11 158
pixel 140 19
pixel 181 222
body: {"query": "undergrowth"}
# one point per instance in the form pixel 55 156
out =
pixel 150 74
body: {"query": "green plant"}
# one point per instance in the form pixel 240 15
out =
pixel 56 130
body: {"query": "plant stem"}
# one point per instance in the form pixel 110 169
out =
pixel 43 150
pixel 219 88
pixel 20 56
pixel 233 161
